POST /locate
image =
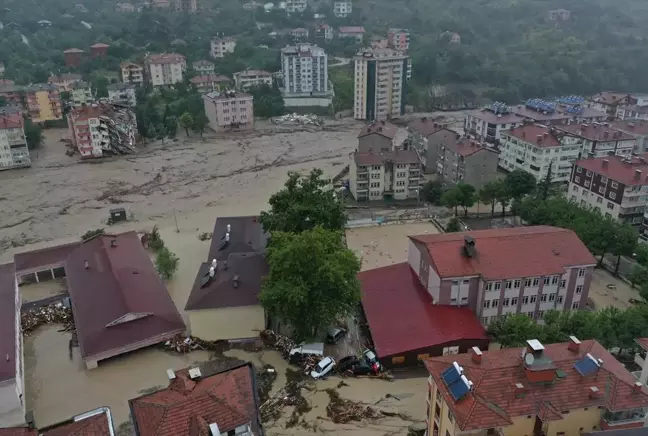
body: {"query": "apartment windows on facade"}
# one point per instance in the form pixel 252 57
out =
pixel 579 289
pixel 581 272
pixel 574 305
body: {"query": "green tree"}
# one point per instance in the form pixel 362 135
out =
pixel 513 330
pixel 186 122
pixel 432 192
pixel 453 225
pixel 268 101
pixel 468 196
pixel 488 194
pixel 641 254
pixel 624 243
pixel 171 124
pixel 304 203
pixel 312 280
pixel 639 276
pixel 520 183
pixel 92 233
pixel 200 123
pixel 503 195
pixel 33 134
pixel 166 263
pixel 452 198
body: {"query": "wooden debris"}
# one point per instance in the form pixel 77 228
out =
pixel 342 411
pixel 55 313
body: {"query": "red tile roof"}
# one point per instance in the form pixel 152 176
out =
pixel 493 118
pixel 188 406
pixel 426 126
pixel 124 285
pixel 93 423
pixel 531 132
pixel 165 58
pixel 506 253
pixel 595 132
pixel 18 431
pixel 99 45
pixel 352 29
pixel 608 97
pixel 525 112
pixel 467 147
pixel 11 121
pixel 639 127
pixel 643 343
pixel 381 128
pixel 209 78
pixel 618 170
pixel 494 401
pixel 396 156
pixel 7 322
pixel 73 50
pixel 395 293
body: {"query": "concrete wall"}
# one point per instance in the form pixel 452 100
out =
pixel 480 168
pixel 228 323
pixel 306 101
pixel 576 422
pixel 375 143
pixel 12 412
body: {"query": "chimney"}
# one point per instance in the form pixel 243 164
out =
pixel 171 374
pixel 523 134
pixel 546 134
pixel 476 355
pixel 605 163
pixel 235 281
pixel 594 392
pixel 113 243
pixel 539 138
pixel 519 390
pixel 469 246
pixel 574 344
pixel 605 134
pixel 225 265
pixel 86 265
pixel 637 175
pixel 636 387
pixel 213 429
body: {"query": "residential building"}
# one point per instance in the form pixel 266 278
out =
pixel 97 422
pixel 637 129
pixel 43 103
pixel 598 139
pixel 165 69
pixel 129 307
pixel 342 8
pixel 73 57
pixel 380 83
pixel 377 137
pixel 575 106
pixel 617 186
pixel 186 5
pixel 296 6
pixel 380 175
pixel 466 161
pixel 64 81
pixel 203 67
pixel 125 7
pixel 14 152
pixel 552 389
pixel 99 50
pixel 123 93
pixel 324 31
pixel 201 401
pixel 81 93
pixel 487 125
pixel 423 328
pixel 428 137
pixel 639 431
pixel 632 112
pixel 12 94
pixel 43 264
pixel 398 39
pixel 355 32
pixel 229 110
pixel 12 381
pixel 610 102
pixel 210 83
pixel 305 69
pixel 378 41
pixel 102 129
pixel 526 270
pixel 132 73
pixel 559 15
pixel 224 301
pixel 535 148
pixel 641 361
pixel 222 46
pixel 247 79
pixel 541 111
pixel 299 33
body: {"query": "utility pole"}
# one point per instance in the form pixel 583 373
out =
pixel 174 216
pixel 547 181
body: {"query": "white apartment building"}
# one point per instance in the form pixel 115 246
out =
pixel 597 139
pixel 487 124
pixel 81 93
pixel 379 84
pixel 247 79
pixel 295 6
pixel 122 93
pixel 166 69
pixel 342 8
pixel 229 110
pixel 533 148
pixel 13 145
pixel 221 46
pixel 305 69
pixel 394 174
pixel 132 73
pixel 203 67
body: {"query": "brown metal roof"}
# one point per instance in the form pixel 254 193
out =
pixel 395 156
pixel 44 257
pixel 246 236
pixel 382 128
pixel 7 322
pixel 119 280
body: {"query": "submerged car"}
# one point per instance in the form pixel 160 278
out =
pixel 372 360
pixel 347 364
pixel 324 366
pixel 335 335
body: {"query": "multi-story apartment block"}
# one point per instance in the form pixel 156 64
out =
pixel 377 137
pixel 324 31
pixel 632 112
pixel 11 93
pixel 616 186
pixel 637 129
pixel 102 129
pixel 597 139
pixel 203 67
pixel 299 33
pixel 558 15
pixel 73 57
pixel 487 125
pixel 186 5
pixel 305 69
pixel 296 6
pixel 132 73
pixel 427 137
pixel 13 145
pixel 466 161
pixel 353 32
pixel 43 103
pixel 229 110
pixel 222 46
pixel 342 8
pixel 64 81
pixel 123 93
pixel 527 270
pixel 379 85
pixel 567 388
pixel 165 69
pixel 541 111
pixel 210 82
pixel 247 79
pixel 99 50
pixel 610 102
pixel 535 148
pixel 394 174
pixel 81 93
pixel 398 39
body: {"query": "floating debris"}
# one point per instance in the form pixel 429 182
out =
pixel 55 313
pixel 205 236
pixel 307 119
pixel 342 411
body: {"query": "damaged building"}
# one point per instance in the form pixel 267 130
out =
pixel 103 129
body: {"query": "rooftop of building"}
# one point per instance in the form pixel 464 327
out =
pixel 540 116
pixel 246 235
pixel 643 343
pixel 379 53
pixel 73 50
pixel 8 293
pixel 253 73
pixel 427 126
pixel 351 29
pixel 636 127
pixel 223 39
pixel 596 132
pixel 188 406
pixel 203 63
pixel 558 379
pixel 165 58
pixel 43 257
pixel 128 305
pixel 41 87
pixel 65 77
pixel 467 147
pixel 536 134
pixel 491 117
pixel 80 84
pixel 640 431
pixel 226 95
pixel 209 78
pixel 99 45
pixel 585 112
pixel 505 253
pixel 627 170
pixel 96 422
pixel 394 292
pixel 11 120
pixel 381 128
pixel 299 30
pixel 610 97
pixel 128 64
pixel 304 49
pixel 395 156
pixel 120 86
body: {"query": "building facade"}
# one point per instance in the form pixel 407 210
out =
pixel 428 138
pixel 102 129
pixel 616 186
pixel 99 50
pixel 165 69
pixel 123 93
pixel 305 69
pixel 43 103
pixel 609 102
pixel 379 84
pixel 229 110
pixel 398 39
pixel 64 82
pixel 296 6
pixel 324 32
pixel 637 129
pixel 352 32
pixel 222 46
pixel 132 73
pixel 210 83
pixel 203 67
pixel 247 79
pixel 14 152
pixel 342 8
pixel 466 161
pixel 394 174
pixel 81 93
pixel 377 137
pixel 73 57
pixel 487 125
pixel 598 139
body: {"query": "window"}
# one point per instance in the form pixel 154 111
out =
pixel 422 356
pixel 588 174
pixel 575 305
pixel 514 301
pixel 465 282
pixel 579 170
pixel 505 302
pixel 554 280
pixel 581 272
pixel 579 289
pixel 495 302
pixel 484 320
pixel 613 195
pixel 577 179
pixel 509 284
pixel 525 299
pixel 517 283
pixel 489 286
pixel 527 283
pixel 536 281
pixel 450 418
pixel 398 360
pixel 575 188
pixel 587 183
pixel 552 297
pixel 546 280
pixel 543 298
pixel 603 180
pixel 498 286
pixel 540 314
pixel 559 299
pixel 563 282
pixel 599 199
pixel 486 304
pixel 532 299
pixel 615 185
pixel 601 190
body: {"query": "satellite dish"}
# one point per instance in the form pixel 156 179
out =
pixel 529 359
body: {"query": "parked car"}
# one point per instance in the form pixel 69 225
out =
pixel 347 364
pixel 303 350
pixel 372 360
pixel 325 366
pixel 335 335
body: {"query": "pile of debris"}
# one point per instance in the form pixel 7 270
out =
pixel 185 344
pixel 55 313
pixel 205 236
pixel 342 411
pixel 290 395
pixel 265 378
pixel 281 343
pixel 307 119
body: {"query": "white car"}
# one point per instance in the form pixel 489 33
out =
pixel 325 366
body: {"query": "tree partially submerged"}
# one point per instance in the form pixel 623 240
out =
pixel 312 280
pixel 166 262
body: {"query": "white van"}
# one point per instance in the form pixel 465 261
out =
pixel 303 350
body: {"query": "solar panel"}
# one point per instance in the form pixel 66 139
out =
pixel 460 388
pixel 587 365
pixel 451 375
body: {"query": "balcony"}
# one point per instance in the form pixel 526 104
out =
pixel 633 418
pixel 640 358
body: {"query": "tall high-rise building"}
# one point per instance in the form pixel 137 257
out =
pixel 304 69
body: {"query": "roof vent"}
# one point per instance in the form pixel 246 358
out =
pixel 213 429
pixel 212 272
pixel 594 392
pixel 113 243
pixel 519 390
pixel 86 265
pixel 235 281
pixel 637 175
pixel 636 387
pixel 194 373
pixel 171 374
pixel 469 246
pixel 605 163
pixel 574 344
pixel 476 355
